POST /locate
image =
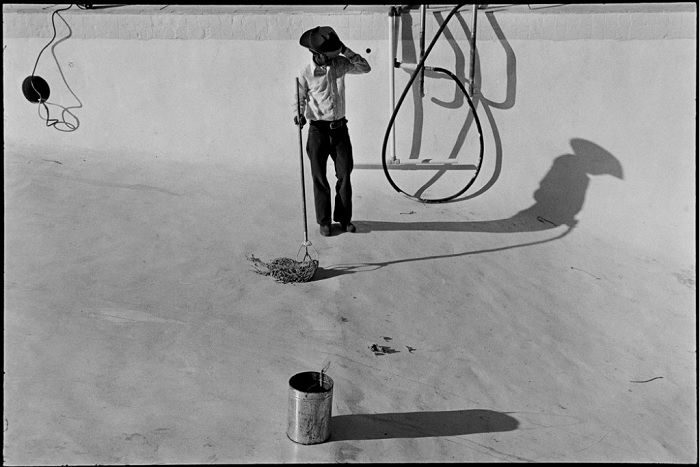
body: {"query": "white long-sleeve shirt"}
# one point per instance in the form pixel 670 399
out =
pixel 322 88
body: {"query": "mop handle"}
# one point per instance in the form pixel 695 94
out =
pixel 301 167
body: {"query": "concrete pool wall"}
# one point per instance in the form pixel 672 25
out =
pixel 216 83
pixel 203 83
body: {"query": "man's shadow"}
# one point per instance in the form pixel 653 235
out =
pixel 419 424
pixel 558 200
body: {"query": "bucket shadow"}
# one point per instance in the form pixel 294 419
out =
pixel 419 424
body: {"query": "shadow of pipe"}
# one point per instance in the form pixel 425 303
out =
pixel 343 269
pixel 562 191
pixel 524 221
pixel 511 63
pixel 488 105
pixel 409 56
pixel 498 158
pixel 558 200
pixel 419 424
pixel 460 64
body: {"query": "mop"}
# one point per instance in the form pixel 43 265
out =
pixel 288 270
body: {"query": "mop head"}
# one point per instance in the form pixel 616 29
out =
pixel 286 270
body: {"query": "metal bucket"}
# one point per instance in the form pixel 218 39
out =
pixel 310 404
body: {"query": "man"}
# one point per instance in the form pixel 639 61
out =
pixel 322 102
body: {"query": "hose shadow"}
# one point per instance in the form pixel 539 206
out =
pixel 419 424
pixel 558 200
pixel 488 105
pixel 478 99
pixel 409 55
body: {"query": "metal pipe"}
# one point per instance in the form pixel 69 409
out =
pixel 472 51
pixel 422 48
pixel 301 161
pixel 392 89
pixel 459 84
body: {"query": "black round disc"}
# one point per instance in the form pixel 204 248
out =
pixel 35 89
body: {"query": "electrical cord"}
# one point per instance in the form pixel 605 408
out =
pixel 53 24
pixel 37 90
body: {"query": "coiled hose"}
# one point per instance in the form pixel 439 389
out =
pixel 420 66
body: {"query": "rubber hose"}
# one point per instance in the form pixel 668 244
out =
pixel 419 67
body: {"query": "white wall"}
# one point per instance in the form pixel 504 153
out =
pixel 624 81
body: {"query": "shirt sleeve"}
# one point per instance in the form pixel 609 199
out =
pixel 353 63
pixel 303 96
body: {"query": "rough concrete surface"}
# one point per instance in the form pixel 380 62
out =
pixel 136 331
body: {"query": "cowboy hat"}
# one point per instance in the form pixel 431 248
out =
pixel 321 39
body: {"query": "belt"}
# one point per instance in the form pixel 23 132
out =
pixel 332 124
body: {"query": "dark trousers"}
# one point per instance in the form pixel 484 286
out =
pixel 324 141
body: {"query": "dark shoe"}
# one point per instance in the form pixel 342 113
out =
pixel 326 230
pixel 349 227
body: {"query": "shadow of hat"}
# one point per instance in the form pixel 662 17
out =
pixel 320 39
pixel 598 161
